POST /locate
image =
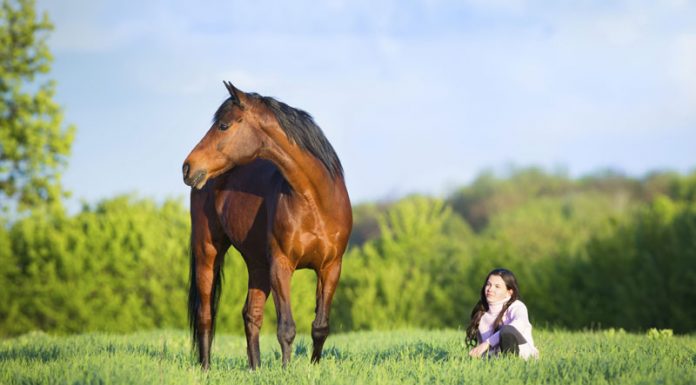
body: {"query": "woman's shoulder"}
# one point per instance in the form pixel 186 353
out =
pixel 517 305
pixel 517 311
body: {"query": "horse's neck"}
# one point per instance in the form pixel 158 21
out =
pixel 305 173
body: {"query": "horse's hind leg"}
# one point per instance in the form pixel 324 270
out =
pixel 327 279
pixel 281 273
pixel 259 287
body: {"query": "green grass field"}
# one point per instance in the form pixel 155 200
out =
pixel 400 357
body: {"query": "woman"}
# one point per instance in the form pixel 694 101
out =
pixel 499 322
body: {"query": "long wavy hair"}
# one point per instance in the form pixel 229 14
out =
pixel 473 336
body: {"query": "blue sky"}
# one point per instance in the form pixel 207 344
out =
pixel 416 96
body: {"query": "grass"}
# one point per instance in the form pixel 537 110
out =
pixel 399 357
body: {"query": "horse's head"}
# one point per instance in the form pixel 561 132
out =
pixel 233 139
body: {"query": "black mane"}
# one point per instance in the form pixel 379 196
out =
pixel 300 128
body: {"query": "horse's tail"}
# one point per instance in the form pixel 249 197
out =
pixel 194 299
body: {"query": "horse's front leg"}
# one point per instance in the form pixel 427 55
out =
pixel 203 299
pixel 259 287
pixel 208 248
pixel 281 273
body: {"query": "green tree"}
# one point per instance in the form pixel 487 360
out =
pixel 119 266
pixel 641 274
pixel 34 142
pixel 490 194
pixel 411 275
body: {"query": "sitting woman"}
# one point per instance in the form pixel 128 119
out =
pixel 499 322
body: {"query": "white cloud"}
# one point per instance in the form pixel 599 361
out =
pixel 86 26
pixel 683 67
pixel 623 29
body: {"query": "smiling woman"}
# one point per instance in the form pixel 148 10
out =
pixel 267 181
pixel 499 321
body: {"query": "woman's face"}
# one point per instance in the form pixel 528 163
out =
pixel 496 290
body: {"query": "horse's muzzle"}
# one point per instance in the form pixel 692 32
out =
pixel 193 179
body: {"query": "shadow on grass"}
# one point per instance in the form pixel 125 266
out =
pixel 32 353
pixel 411 351
pixel 415 350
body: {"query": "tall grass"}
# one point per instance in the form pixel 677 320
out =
pixel 401 357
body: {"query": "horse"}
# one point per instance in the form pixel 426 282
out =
pixel 265 180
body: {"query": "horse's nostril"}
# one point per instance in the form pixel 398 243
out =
pixel 186 169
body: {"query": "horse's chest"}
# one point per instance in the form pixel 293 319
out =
pixel 243 216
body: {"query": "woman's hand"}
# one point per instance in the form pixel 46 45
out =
pixel 481 348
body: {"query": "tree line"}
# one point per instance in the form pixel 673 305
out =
pixel 601 251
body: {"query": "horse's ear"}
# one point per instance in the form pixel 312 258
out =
pixel 234 92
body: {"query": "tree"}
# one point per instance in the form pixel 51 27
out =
pixel 34 142
pixel 641 273
pixel 120 266
pixel 411 275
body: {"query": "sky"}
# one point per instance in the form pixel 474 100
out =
pixel 415 96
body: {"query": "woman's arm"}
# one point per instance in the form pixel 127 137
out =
pixel 515 315
pixel 518 317
pixel 479 349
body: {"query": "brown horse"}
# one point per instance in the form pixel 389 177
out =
pixel 265 180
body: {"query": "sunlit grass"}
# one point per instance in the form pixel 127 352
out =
pixel 400 357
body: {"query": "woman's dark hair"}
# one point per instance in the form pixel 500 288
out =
pixel 472 332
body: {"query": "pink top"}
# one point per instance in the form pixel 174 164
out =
pixel 515 315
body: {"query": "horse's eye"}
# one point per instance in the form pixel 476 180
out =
pixel 223 126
